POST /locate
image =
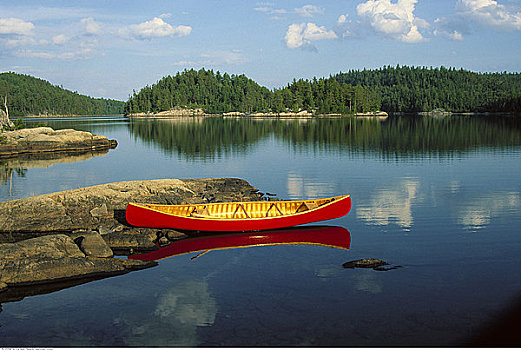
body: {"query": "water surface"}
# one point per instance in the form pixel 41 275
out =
pixel 440 197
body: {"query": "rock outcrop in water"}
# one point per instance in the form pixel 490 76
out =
pixel 55 258
pixel 45 139
pixel 73 234
pixel 375 264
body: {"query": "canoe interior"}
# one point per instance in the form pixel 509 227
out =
pixel 242 210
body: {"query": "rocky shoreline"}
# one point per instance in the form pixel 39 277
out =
pixel 43 140
pixel 73 235
pixel 198 112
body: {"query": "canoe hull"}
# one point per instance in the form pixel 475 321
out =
pixel 141 216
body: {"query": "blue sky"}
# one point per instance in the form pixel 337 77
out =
pixel 108 48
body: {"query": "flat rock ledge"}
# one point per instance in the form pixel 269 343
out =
pixel 45 139
pixel 74 234
pixel 101 208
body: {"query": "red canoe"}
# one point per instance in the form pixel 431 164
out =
pixel 326 236
pixel 237 216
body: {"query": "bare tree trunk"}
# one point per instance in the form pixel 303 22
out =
pixel 4 116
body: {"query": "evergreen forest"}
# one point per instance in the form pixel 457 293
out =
pixel 220 93
pixel 420 89
pixel 399 89
pixel 28 95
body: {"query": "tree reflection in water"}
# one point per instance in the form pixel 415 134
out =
pixel 405 137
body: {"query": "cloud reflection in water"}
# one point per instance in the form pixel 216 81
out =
pixel 391 204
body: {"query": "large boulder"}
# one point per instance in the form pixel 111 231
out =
pixel 92 244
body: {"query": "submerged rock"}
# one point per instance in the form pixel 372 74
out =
pixel 375 264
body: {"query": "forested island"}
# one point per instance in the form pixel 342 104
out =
pixel 27 95
pixel 390 89
pixel 220 93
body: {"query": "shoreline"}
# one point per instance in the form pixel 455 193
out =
pixel 43 116
pixel 282 115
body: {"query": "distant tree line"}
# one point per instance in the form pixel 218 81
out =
pixel 28 95
pixel 421 89
pixel 220 93
pixel 391 89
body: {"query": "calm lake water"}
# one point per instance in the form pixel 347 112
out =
pixel 439 197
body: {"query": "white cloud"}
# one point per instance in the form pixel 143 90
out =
pixel 455 35
pixel 91 26
pixel 15 26
pixel 269 9
pixel 214 58
pixel 16 41
pixel 472 13
pixel 342 19
pixel 155 28
pixel 186 63
pixel 393 20
pixel 345 28
pixel 262 9
pixel 309 10
pixel 15 32
pixel 82 53
pixel 304 34
pixel 490 13
pixel 60 39
pixel 453 27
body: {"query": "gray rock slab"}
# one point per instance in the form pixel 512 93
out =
pixel 52 246
pixel 104 205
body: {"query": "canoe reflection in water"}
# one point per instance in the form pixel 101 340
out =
pixel 325 236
